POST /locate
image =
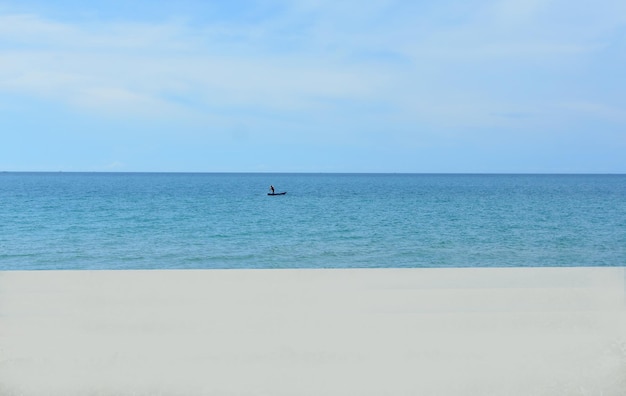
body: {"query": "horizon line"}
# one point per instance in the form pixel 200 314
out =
pixel 318 172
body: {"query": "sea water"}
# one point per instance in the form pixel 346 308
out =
pixel 222 220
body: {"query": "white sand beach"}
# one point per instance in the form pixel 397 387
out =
pixel 507 331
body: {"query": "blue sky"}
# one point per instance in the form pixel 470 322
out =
pixel 313 86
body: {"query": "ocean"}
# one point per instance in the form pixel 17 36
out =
pixel 51 221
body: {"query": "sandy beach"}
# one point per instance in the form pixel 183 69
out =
pixel 507 331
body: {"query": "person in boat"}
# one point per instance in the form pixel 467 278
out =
pixel 272 188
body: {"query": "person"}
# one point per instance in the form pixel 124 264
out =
pixel 272 188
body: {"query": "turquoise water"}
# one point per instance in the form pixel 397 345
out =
pixel 151 220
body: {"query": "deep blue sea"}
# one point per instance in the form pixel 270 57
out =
pixel 227 220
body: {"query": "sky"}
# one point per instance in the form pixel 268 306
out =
pixel 449 86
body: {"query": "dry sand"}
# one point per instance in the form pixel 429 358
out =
pixel 314 332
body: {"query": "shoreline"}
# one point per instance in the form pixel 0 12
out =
pixel 444 331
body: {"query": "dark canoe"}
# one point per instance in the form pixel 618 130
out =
pixel 280 193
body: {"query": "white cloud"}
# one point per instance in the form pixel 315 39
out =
pixel 32 29
pixel 114 166
pixel 516 12
pixel 301 59
pixel 595 110
pixel 121 67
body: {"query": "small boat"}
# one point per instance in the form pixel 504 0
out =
pixel 278 193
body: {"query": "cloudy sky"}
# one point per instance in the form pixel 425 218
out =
pixel 313 85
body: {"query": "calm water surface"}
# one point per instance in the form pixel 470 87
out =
pixel 210 220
